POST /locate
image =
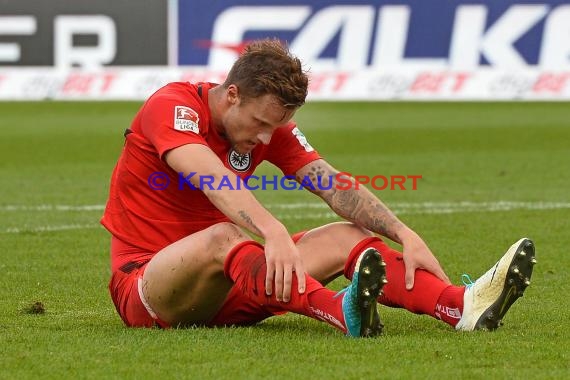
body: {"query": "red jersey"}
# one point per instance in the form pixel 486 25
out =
pixel 150 205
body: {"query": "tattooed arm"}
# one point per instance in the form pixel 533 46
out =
pixel 359 206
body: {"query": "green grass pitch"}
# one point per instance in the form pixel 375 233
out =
pixel 491 173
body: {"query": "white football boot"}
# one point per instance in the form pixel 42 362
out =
pixel 488 299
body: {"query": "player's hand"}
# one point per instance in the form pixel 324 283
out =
pixel 283 261
pixel 417 255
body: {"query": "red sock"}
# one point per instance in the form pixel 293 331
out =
pixel 449 306
pixel 245 265
pixel 427 290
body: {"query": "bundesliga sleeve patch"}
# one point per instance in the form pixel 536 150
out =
pixel 302 139
pixel 186 119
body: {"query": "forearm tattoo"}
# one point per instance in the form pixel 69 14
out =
pixel 247 219
pixel 358 206
pixel 316 172
pixel 362 208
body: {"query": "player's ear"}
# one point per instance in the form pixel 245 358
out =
pixel 232 94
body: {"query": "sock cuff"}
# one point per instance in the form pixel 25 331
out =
pixel 233 252
pixel 354 252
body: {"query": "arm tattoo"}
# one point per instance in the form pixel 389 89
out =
pixel 358 206
pixel 316 174
pixel 362 208
pixel 247 219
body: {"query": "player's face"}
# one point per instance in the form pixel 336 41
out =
pixel 252 122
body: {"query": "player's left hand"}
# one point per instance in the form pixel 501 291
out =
pixel 283 262
pixel 417 255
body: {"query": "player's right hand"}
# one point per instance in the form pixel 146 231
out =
pixel 283 259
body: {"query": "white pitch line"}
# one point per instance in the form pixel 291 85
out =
pixel 304 210
pixel 47 207
pixel 425 207
pixel 444 207
pixel 64 227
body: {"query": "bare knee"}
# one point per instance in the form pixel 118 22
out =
pixel 352 230
pixel 345 234
pixel 325 249
pixel 222 237
pixel 227 233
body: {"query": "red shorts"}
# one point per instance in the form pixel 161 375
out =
pixel 128 298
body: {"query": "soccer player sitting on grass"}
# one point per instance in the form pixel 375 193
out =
pixel 180 251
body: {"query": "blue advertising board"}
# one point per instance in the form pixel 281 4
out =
pixel 358 34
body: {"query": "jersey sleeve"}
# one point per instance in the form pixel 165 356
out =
pixel 169 122
pixel 289 150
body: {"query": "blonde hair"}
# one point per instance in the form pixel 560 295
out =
pixel 268 67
